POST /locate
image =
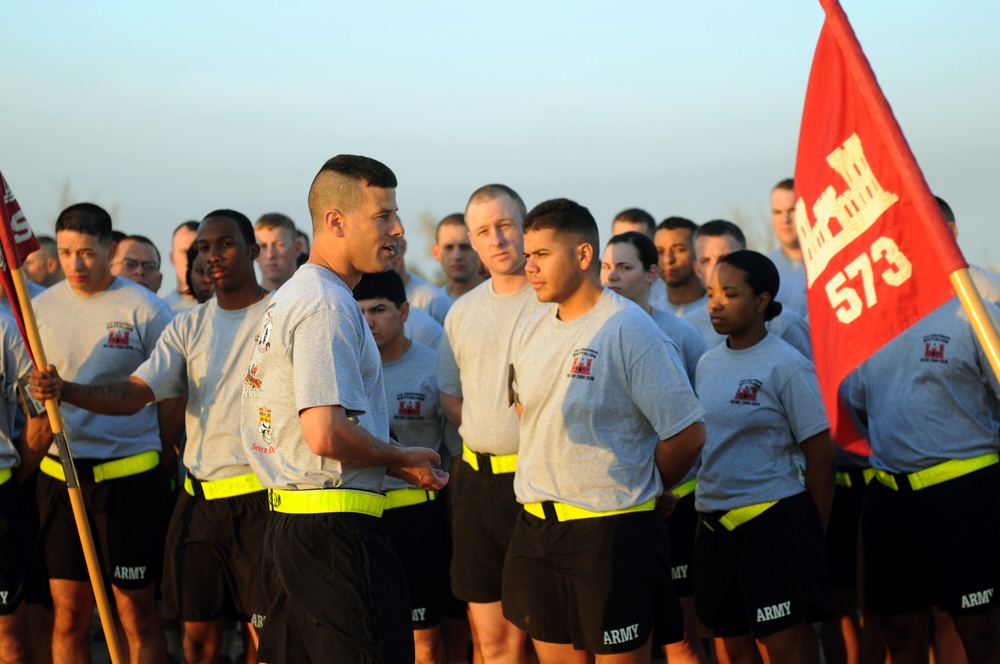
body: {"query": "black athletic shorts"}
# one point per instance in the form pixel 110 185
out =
pixel 128 519
pixel 20 571
pixel 683 521
pixel 766 575
pixel 483 513
pixel 212 563
pixel 420 535
pixel 842 531
pixel 939 545
pixel 337 591
pixel 601 584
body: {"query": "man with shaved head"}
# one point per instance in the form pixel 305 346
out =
pixel 316 432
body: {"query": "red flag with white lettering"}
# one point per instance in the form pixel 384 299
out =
pixel 18 241
pixel 876 249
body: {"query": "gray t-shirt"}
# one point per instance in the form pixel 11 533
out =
pixel 788 325
pixel 98 339
pixel 420 327
pixel 202 355
pixel 682 310
pixel 33 290
pixel 760 403
pixel 313 349
pixel 599 392
pixel 689 342
pixel 792 291
pixel 930 394
pixel 14 362
pixel 658 296
pixel 986 281
pixel 178 303
pixel 424 295
pixel 473 358
pixel 414 402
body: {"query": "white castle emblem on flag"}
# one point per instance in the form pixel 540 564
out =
pixel 854 211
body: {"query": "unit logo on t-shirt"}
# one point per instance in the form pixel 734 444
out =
pixel 583 364
pixel 264 338
pixel 746 393
pixel 251 384
pixel 118 335
pixel 934 348
pixel 266 433
pixel 410 404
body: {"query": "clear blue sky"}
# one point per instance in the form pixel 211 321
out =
pixel 166 111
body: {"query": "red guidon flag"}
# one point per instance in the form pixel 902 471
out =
pixel 876 249
pixel 18 241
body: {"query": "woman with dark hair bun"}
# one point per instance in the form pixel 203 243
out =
pixel 766 479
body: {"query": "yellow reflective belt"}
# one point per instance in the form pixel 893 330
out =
pixel 737 517
pixel 109 470
pixel 843 477
pixel 685 488
pixel 500 465
pixel 321 501
pixel 227 488
pixel 406 497
pixel 566 512
pixel 942 472
pixel 4 475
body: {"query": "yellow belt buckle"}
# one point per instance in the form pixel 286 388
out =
pixel 737 517
pixel 685 488
pixel 407 497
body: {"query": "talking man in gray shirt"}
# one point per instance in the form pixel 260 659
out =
pixel 608 419
pixel 316 432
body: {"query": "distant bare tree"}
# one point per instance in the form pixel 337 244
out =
pixel 66 198
pixel 756 226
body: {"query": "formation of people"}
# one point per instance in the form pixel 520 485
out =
pixel 573 451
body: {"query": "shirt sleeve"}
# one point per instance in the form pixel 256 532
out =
pixel 165 370
pixel 325 356
pixel 449 379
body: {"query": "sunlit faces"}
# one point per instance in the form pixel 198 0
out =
pixel 622 271
pixel 179 244
pixel 370 231
pixel 495 230
pixel 35 266
pixel 709 249
pixel 676 255
pixel 783 218
pixel 278 251
pixel 138 262
pixel 223 252
pixel 201 283
pixel 554 265
pixel 732 305
pixel 454 249
pixel 385 320
pixel 85 261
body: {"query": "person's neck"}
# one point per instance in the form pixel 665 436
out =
pixel 747 338
pixel 182 290
pixel 242 296
pixel 340 266
pixel 271 284
pixel 506 284
pixel 692 291
pixel 793 253
pixel 581 301
pixel 103 286
pixel 456 289
pixel 395 350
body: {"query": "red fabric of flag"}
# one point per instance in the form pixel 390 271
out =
pixel 18 241
pixel 876 249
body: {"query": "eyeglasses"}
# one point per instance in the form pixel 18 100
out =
pixel 148 266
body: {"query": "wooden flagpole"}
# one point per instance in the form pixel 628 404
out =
pixel 982 324
pixel 69 469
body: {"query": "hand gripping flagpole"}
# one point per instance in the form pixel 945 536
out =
pixel 927 208
pixel 69 469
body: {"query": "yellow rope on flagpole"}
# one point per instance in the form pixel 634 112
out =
pixel 72 485
pixel 982 324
